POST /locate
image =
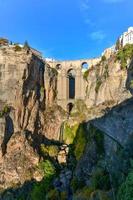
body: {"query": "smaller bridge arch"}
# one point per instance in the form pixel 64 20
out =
pixel 58 66
pixel 70 106
pixel 84 65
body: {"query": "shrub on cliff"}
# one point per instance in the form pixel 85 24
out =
pixel 5 110
pixel 124 54
pixel 51 150
pixel 126 189
pixel 103 59
pixel 41 189
pixel 48 168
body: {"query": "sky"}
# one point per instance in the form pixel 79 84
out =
pixel 66 29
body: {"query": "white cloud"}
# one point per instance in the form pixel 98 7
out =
pixel 84 5
pixel 85 11
pixel 98 35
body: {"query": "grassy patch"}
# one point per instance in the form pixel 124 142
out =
pixel 70 133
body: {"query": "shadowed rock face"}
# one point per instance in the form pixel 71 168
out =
pixel 19 163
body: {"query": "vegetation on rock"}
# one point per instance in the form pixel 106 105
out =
pixel 40 190
pixel 86 74
pixel 4 111
pixel 126 189
pixel 80 142
pixel 124 54
pixel 70 133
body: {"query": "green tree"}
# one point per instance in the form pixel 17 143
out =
pixel 126 189
pixel 41 189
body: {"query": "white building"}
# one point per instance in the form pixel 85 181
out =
pixel 127 37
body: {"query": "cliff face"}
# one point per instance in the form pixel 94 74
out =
pixel 106 82
pixel 21 79
pixel 27 90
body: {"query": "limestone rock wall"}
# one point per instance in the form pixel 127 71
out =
pixel 106 82
pixel 27 90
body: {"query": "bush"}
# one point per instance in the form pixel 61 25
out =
pixel 124 54
pixel 126 189
pixel 103 59
pixel 48 168
pixel 40 190
pixel 5 110
pixel 51 150
pixel 44 150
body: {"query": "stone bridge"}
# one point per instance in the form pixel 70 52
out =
pixel 71 85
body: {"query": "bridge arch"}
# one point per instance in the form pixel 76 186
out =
pixel 70 106
pixel 84 65
pixel 58 66
pixel 71 74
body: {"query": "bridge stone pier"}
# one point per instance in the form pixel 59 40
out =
pixel 71 85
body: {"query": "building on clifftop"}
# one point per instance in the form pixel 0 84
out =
pixel 127 37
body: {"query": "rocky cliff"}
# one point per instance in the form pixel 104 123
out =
pixel 48 154
pixel 106 82
pixel 27 91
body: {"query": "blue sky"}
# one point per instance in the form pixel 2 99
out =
pixel 66 29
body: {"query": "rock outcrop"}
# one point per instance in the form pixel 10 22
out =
pixel 106 83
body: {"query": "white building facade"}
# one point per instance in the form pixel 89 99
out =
pixel 127 37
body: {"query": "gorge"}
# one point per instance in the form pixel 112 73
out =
pixel 59 143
